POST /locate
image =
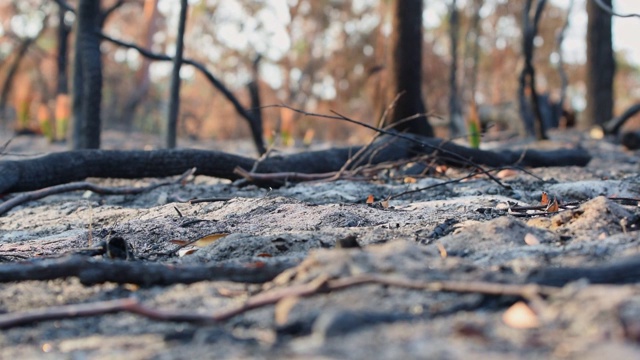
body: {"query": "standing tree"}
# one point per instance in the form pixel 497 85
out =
pixel 456 122
pixel 87 77
pixel 174 96
pixel 601 65
pixel 62 85
pixel 533 124
pixel 407 68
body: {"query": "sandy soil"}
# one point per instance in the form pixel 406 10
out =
pixel 462 232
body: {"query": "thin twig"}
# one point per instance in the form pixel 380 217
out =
pixel 84 185
pixel 269 297
pixel 459 158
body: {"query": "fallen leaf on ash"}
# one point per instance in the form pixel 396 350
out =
pixel 442 250
pixel 520 316
pixel 553 206
pixel 409 180
pixel 506 173
pixel 264 255
pixel 208 239
pixel 185 252
pixel 531 239
pixel 545 198
pixel 283 308
pixel 370 199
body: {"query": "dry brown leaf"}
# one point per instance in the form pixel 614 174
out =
pixel 506 173
pixel 442 169
pixel 180 242
pixel 385 204
pixel 531 239
pixel 264 255
pixel 553 207
pixel 370 199
pixel 545 198
pixel 443 251
pixel 185 252
pixel 283 308
pixel 230 292
pixel 410 180
pixel 131 287
pixel 520 316
pixel 209 239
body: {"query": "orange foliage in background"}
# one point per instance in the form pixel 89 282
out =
pixel 337 59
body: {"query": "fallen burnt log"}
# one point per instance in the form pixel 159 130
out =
pixel 625 271
pixel 64 167
pixel 96 271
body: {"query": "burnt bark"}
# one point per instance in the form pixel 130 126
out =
pixel 600 65
pixel 407 69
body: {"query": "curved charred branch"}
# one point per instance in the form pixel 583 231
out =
pixel 244 113
pixel 623 271
pixel 612 127
pixel 64 167
pixel 104 14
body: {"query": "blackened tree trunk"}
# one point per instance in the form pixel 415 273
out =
pixel 600 65
pixel 533 118
pixel 87 79
pixel 456 122
pixel 64 29
pixel 407 68
pixel 174 96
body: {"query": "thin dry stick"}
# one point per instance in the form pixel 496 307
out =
pixel 453 155
pixel 530 292
pixel 252 176
pixel 84 185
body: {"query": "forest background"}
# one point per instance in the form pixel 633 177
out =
pixel 315 55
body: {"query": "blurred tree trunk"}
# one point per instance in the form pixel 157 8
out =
pixel 456 122
pixel 533 118
pixel 142 75
pixel 407 68
pixel 171 126
pixel 472 50
pixel 62 86
pixel 601 65
pixel 87 79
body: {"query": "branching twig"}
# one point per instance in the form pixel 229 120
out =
pixel 269 297
pixel 459 158
pixel 609 10
pixel 84 185
pixel 212 79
